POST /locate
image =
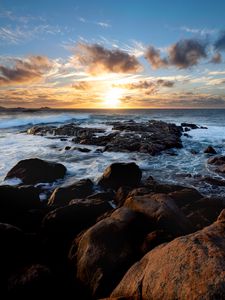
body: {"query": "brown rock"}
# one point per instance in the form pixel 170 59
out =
pixel 162 211
pixel 63 195
pixel 185 196
pixel 189 267
pixel 107 249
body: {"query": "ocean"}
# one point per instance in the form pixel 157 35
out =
pixel 183 167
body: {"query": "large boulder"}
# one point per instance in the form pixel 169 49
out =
pixel 106 250
pixel 162 211
pixel 61 225
pixel 119 174
pixel 35 170
pixel 189 267
pixel 62 195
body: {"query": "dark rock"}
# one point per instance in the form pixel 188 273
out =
pixel 105 196
pixel 67 148
pixel 155 238
pixel 210 150
pixel 203 212
pixel 122 194
pixel 63 195
pixel 189 267
pixel 106 250
pixel 118 174
pixel 185 196
pixel 61 225
pixel 193 151
pixel 213 181
pixel 15 202
pixel 85 150
pixel 31 282
pixel 34 170
pixel 149 137
pixel 190 125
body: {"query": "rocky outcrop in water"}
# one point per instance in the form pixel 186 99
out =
pixel 147 137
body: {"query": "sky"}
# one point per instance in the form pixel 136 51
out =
pixel 112 54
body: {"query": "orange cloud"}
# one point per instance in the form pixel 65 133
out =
pixel 31 69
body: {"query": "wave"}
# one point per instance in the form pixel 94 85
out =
pixel 21 120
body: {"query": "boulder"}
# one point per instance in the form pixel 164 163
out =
pixel 210 150
pixel 118 174
pixel 218 162
pixel 189 125
pixel 162 211
pixel 189 267
pixel 60 226
pixel 33 281
pixel 107 249
pixel 35 170
pixel 185 196
pixel 63 195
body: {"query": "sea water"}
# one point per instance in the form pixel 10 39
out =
pixel 183 167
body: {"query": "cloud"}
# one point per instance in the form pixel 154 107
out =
pixel 154 58
pixel 183 54
pixel 217 58
pixel 31 69
pixel 199 31
pixel 81 85
pixel 98 60
pixel 187 53
pixel 220 42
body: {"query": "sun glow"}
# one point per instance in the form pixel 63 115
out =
pixel 112 97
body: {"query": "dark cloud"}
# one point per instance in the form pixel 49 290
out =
pixel 183 54
pixel 220 42
pixel 144 84
pixel 217 58
pixel 99 60
pixel 81 85
pixel 28 70
pixel 153 56
pixel 187 53
pixel 165 83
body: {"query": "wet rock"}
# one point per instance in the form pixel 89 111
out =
pixel 161 211
pixel 210 150
pixel 194 152
pixel 63 195
pixel 118 174
pixel 106 250
pixel 218 162
pixel 189 267
pixel 84 150
pixel 104 196
pixel 35 170
pixel 67 148
pixel 214 181
pixel 190 125
pixel 148 137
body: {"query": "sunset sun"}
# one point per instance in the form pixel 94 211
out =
pixel 112 97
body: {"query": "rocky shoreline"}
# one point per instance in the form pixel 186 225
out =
pixel 122 237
